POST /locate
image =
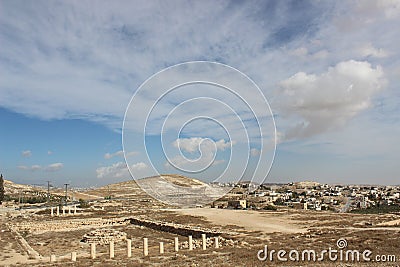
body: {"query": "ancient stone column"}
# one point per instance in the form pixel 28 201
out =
pixel 216 242
pixel 74 209
pixel 69 209
pixel 145 246
pixel 52 211
pixel 93 250
pixel 58 211
pixel 190 242
pixel 161 247
pixel 204 241
pixel 73 256
pixel 176 241
pixel 129 247
pixel 111 249
pixel 52 258
pixel 63 209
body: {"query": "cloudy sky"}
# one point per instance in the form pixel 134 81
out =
pixel 330 71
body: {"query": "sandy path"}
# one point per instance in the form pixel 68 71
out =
pixel 248 219
pixel 85 196
pixel 10 250
pixel 390 223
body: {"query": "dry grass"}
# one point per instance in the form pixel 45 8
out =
pixel 251 230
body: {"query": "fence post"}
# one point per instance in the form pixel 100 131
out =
pixel 73 256
pixel 204 240
pixel 111 249
pixel 145 246
pixel 93 250
pixel 176 241
pixel 190 242
pixel 129 247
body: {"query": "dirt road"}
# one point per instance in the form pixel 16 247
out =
pixel 250 220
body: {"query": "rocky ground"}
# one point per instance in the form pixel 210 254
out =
pixel 28 237
pixel 240 242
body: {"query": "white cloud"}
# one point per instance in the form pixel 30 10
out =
pixel 49 168
pixel 120 153
pixel 369 51
pixel 95 52
pixel 192 144
pixel 222 144
pixel 68 60
pixel 36 167
pixel 372 8
pixel 26 153
pixel 82 67
pixel 327 101
pixel 207 149
pixel 29 168
pixel 119 170
pixel 300 52
pixel 139 166
pixel 54 167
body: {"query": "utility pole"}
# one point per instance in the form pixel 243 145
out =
pixel 109 193
pixel 48 191
pixel 66 193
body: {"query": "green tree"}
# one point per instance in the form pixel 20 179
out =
pixel 83 204
pixel 1 188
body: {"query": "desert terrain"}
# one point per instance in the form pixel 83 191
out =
pixel 30 235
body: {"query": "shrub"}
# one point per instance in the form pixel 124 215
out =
pixel 270 207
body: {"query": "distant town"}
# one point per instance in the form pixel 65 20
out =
pixel 311 196
pixel 245 195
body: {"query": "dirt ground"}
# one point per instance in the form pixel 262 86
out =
pixel 249 220
pixel 249 231
pixel 11 252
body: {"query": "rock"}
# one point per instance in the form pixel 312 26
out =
pixel 103 236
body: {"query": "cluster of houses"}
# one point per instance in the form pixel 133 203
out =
pixel 308 195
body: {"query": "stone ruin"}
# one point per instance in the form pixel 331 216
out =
pixel 103 236
pixel 222 242
pixel 38 227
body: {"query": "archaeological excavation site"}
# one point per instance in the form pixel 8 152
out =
pixel 120 225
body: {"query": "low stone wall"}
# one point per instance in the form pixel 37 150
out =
pixel 66 225
pixel 103 236
pixel 29 250
pixel 37 227
pixel 179 229
pixel 210 242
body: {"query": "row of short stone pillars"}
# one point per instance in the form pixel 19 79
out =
pixel 176 244
pixel 145 247
pixel 70 210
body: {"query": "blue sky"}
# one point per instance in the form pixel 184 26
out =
pixel 329 70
